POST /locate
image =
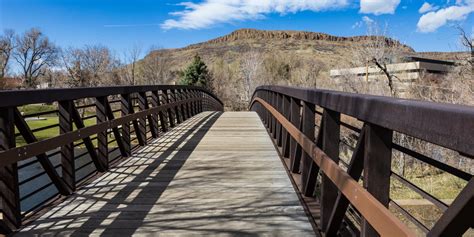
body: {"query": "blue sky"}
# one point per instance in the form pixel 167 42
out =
pixel 120 24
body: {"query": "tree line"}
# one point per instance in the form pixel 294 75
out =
pixel 31 60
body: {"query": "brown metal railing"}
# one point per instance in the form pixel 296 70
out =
pixel 47 168
pixel 339 204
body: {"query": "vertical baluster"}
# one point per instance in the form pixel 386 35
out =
pixel 67 151
pixel 192 95
pixel 286 136
pixel 330 126
pixel 182 107
pixel 126 108
pixel 141 133
pixel 377 167
pixel 186 105
pixel 295 148
pixel 308 174
pixel 268 114
pixel 102 144
pixel 274 120
pixel 9 189
pixel 159 117
pixel 279 101
pixel 174 95
pixel 167 100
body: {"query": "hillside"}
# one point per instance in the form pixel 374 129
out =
pixel 329 49
pixel 271 57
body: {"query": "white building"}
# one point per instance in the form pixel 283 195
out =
pixel 412 69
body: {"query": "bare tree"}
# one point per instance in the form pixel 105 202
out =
pixel 73 61
pixel 91 65
pixel 379 51
pixel 468 43
pixel 34 52
pixel 131 58
pixel 7 45
pixel 155 68
pixel 250 66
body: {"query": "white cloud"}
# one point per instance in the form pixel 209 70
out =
pixel 211 12
pixel 427 7
pixel 431 21
pixel 378 7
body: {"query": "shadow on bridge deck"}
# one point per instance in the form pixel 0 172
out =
pixel 215 174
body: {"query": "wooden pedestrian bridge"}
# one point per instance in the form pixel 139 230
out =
pixel 168 161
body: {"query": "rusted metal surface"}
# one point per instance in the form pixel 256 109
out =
pixel 375 212
pixel 448 126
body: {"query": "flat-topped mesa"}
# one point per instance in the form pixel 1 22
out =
pixel 253 34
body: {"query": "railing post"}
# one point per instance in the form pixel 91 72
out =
pixel 167 100
pixel 377 168
pixel 9 188
pixel 196 103
pixel 181 107
pixel 355 171
pixel 286 136
pixel 267 113
pixel 157 117
pixel 176 107
pixel 200 107
pixel 67 151
pixel 330 126
pixel 279 107
pixel 126 105
pixel 308 173
pixel 191 104
pixel 295 148
pixel 142 105
pixel 102 144
pixel 274 120
pixel 185 96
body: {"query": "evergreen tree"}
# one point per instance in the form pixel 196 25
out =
pixel 197 74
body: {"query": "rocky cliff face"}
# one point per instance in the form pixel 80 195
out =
pixel 279 35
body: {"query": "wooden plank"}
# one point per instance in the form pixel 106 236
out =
pixel 214 174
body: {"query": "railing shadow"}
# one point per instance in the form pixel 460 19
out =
pixel 178 144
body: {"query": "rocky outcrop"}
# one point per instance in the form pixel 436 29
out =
pixel 264 35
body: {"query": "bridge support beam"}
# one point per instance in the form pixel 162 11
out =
pixel 330 125
pixel 377 163
pixel 67 151
pixel 101 107
pixel 295 148
pixel 126 109
pixel 9 190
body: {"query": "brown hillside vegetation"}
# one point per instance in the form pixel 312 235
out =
pixel 247 58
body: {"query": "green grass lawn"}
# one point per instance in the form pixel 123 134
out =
pixel 47 133
pixel 50 119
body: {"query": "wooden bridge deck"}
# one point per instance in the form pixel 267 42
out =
pixel 215 174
